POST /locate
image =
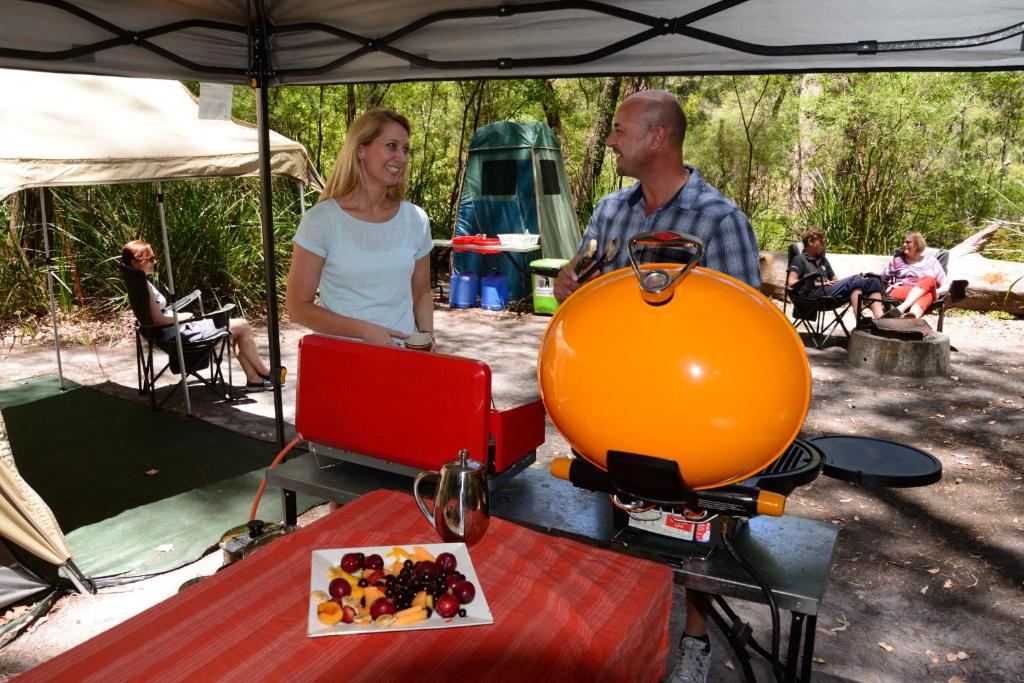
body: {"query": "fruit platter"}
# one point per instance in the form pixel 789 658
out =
pixel 394 588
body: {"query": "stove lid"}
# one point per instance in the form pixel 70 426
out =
pixel 874 462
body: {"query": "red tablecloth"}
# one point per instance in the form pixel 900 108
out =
pixel 563 611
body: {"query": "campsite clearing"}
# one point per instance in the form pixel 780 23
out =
pixel 927 572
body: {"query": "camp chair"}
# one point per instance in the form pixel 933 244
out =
pixel 957 289
pixel 198 355
pixel 819 316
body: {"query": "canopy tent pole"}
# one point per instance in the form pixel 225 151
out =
pixel 173 296
pixel 49 283
pixel 78 579
pixel 270 267
pixel 302 199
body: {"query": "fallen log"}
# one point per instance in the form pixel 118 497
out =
pixel 989 280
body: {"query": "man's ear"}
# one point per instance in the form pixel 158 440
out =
pixel 658 137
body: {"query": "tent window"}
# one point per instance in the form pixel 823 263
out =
pixel 498 177
pixel 549 177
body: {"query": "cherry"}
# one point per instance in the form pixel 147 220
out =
pixel 348 614
pixel 381 606
pixel 464 591
pixel 339 588
pixel 353 562
pixel 451 581
pixel 426 569
pixel 446 562
pixel 447 606
pixel 374 562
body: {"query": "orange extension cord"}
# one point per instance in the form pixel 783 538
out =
pixel 263 484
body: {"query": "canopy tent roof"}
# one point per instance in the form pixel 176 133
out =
pixel 61 129
pixel 333 41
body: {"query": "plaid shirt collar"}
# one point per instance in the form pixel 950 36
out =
pixel 683 199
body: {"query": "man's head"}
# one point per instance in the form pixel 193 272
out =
pixel 649 127
pixel 814 241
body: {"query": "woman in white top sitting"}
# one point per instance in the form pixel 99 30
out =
pixel 362 246
pixel 138 254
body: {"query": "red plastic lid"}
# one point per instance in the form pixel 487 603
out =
pixel 464 239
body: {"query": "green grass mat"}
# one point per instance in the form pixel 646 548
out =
pixel 134 491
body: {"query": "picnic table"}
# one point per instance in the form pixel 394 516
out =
pixel 563 611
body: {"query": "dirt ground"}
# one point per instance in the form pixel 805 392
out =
pixel 927 583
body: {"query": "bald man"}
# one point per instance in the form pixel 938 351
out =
pixel 647 138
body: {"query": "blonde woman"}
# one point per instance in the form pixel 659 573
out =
pixel 363 246
pixel 915 279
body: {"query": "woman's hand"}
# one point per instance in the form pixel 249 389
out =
pixel 381 336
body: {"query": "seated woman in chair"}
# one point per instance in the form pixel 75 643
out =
pixel 812 261
pixel 138 254
pixel 915 279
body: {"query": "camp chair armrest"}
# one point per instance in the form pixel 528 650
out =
pixel 221 317
pixel 188 300
pixel 804 282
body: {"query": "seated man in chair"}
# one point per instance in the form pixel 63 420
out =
pixel 812 262
pixel 138 255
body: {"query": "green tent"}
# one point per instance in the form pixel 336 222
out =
pixel 515 182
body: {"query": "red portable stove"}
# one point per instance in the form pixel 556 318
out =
pixel 406 411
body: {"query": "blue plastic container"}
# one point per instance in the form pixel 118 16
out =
pixel 463 291
pixel 493 292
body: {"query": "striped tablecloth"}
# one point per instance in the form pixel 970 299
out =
pixel 563 611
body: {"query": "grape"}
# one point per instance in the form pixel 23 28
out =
pixel 462 612
pixel 407 564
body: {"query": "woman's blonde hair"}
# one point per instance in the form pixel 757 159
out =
pixel 347 175
pixel 918 240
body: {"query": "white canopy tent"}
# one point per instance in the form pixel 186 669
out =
pixel 65 129
pixel 265 43
pixel 58 130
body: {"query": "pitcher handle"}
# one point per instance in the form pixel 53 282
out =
pixel 416 493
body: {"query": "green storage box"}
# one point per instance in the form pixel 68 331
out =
pixel 545 271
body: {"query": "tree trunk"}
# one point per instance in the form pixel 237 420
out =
pixel 552 110
pixel 350 102
pixel 593 155
pixel 810 88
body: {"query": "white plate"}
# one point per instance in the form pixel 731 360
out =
pixel 477 612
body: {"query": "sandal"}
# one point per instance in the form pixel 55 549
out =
pixel 893 313
pixel 264 384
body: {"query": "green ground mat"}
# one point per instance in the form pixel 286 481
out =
pixel 135 491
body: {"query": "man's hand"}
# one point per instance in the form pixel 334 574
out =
pixel 566 283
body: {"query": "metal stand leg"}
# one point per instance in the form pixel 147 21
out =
pixel 810 626
pixel 290 507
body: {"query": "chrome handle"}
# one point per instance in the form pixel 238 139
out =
pixel 658 284
pixel 419 500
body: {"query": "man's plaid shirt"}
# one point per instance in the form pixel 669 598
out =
pixel 698 209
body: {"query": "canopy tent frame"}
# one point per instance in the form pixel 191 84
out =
pixel 260 32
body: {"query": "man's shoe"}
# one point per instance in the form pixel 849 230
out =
pixel 694 661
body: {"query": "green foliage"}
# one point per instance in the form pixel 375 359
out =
pixel 867 157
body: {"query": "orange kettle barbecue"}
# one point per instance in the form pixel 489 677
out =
pixel 691 366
